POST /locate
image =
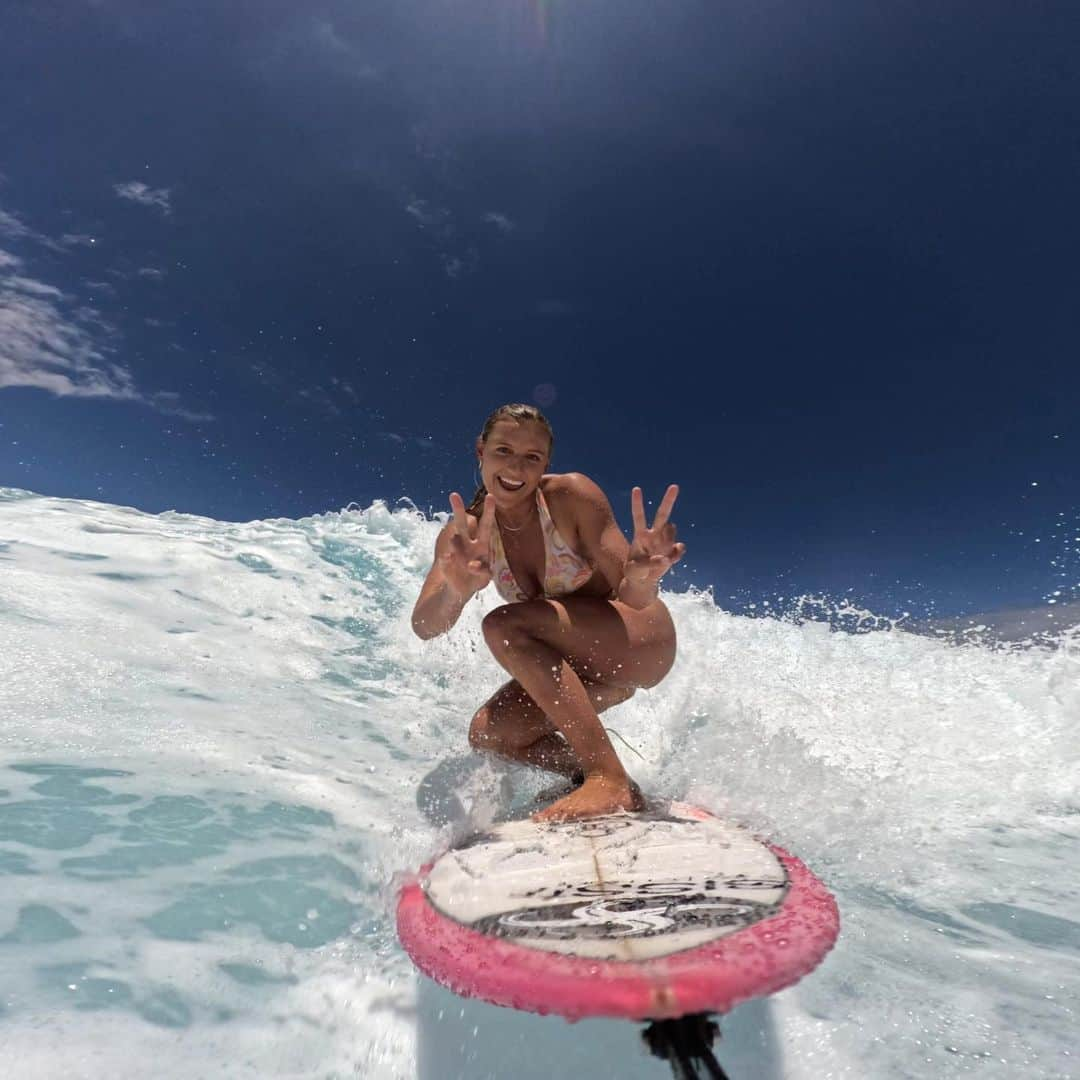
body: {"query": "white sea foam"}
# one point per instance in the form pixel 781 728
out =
pixel 214 735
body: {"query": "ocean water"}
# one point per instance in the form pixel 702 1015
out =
pixel 213 736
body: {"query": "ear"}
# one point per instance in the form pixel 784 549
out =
pixel 479 447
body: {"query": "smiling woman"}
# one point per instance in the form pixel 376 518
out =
pixel 583 626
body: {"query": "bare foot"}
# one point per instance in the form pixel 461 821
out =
pixel 596 796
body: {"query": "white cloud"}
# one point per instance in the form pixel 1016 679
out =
pixel 319 397
pixel 429 216
pixel 101 287
pixel 317 44
pixel 151 272
pixel 346 386
pixel 52 342
pixel 32 286
pixel 424 442
pixel 12 225
pixel 458 266
pixel 49 343
pixel 348 57
pixel 169 403
pixel 138 192
pixel 500 221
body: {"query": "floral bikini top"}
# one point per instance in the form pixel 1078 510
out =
pixel 564 569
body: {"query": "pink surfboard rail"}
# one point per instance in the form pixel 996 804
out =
pixel 762 958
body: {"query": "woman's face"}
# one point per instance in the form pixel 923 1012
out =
pixel 513 459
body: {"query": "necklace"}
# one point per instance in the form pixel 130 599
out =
pixel 518 529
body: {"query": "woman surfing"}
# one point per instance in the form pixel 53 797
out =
pixel 583 626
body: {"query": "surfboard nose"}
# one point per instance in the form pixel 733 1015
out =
pixel 643 916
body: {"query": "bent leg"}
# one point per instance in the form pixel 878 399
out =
pixel 549 646
pixel 511 725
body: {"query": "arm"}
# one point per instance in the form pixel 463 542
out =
pixel 643 562
pixel 600 538
pixel 604 544
pixel 460 569
pixel 439 605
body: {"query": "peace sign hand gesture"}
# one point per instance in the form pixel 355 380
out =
pixel 653 551
pixel 466 563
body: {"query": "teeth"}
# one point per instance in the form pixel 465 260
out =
pixel 513 487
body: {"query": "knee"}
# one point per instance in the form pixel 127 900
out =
pixel 503 629
pixel 481 734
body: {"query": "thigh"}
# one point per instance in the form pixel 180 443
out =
pixel 511 718
pixel 604 641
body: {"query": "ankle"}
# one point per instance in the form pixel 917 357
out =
pixel 611 777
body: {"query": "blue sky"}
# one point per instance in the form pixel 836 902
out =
pixel 815 265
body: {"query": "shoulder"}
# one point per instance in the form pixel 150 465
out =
pixel 576 498
pixel 573 488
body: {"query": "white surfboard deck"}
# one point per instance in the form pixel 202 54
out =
pixel 627 887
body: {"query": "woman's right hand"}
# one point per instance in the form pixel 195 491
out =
pixel 466 563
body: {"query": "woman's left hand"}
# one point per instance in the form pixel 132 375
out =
pixel 653 551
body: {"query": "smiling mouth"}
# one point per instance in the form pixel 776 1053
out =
pixel 507 486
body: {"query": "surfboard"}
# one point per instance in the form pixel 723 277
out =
pixel 647 916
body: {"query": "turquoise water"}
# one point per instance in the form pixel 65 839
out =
pixel 213 738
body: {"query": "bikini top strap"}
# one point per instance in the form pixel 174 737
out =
pixel 545 514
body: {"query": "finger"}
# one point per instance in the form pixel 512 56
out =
pixel 666 503
pixel 637 510
pixel 460 517
pixel 487 520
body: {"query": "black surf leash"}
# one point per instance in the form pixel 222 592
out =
pixel 683 1042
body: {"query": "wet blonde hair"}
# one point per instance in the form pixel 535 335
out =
pixel 520 413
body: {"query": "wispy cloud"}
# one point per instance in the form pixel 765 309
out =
pixel 14 228
pixel 165 401
pixel 138 192
pixel 424 442
pixel 316 44
pixel 458 248
pixel 31 286
pixel 12 225
pixel 457 266
pixel 319 397
pixel 345 386
pixel 49 342
pixel 101 287
pixel 346 56
pixel 429 216
pixel 500 221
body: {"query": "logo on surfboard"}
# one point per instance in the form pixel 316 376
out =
pixel 635 909
pixel 629 886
